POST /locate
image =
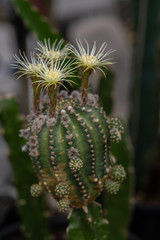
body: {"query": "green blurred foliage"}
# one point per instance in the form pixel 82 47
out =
pixel 117 208
pixel 88 226
pixel 32 210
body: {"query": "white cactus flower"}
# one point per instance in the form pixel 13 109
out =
pixel 54 51
pixel 91 59
pixel 55 74
pixel 26 67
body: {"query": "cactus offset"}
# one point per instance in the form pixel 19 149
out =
pixel 69 137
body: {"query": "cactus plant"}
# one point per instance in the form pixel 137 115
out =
pixel 116 206
pixel 69 136
pixel 70 154
pixel 31 209
pixel 145 91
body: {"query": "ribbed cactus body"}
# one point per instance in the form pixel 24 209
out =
pixel 71 152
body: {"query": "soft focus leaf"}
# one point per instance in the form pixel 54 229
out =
pixel 35 21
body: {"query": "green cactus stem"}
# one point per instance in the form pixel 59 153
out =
pixel 70 151
pixel 88 224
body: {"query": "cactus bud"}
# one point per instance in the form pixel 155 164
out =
pixel 36 190
pixel 112 187
pixel 115 135
pixel 75 164
pixel 63 205
pixel 61 189
pixel 116 123
pixel 118 173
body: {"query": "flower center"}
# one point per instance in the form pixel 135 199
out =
pixel 54 54
pixel 31 67
pixel 89 60
pixel 34 68
pixel 53 75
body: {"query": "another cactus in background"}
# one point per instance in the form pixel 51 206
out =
pixel 146 92
pixel 68 137
pixel 120 205
pixel 30 209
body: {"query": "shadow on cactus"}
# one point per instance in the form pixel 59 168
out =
pixel 68 135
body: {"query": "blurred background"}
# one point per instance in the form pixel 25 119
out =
pixel 131 27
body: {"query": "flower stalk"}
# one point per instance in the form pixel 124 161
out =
pixel 36 98
pixel 85 78
pixel 52 93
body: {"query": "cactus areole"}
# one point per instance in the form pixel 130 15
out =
pixel 68 135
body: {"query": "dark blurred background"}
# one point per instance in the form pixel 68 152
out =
pixel 131 27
